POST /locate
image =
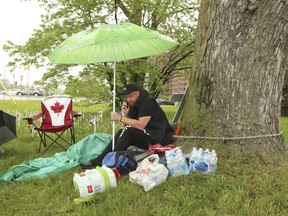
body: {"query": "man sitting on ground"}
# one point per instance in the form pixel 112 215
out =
pixel 145 123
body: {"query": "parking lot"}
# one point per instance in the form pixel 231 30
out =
pixel 22 97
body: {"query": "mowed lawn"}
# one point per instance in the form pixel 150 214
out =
pixel 236 188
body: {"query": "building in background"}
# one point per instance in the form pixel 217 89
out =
pixel 177 84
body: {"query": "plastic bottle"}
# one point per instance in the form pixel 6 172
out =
pixel 193 159
pixel 176 162
pixel 172 163
pixel 200 152
pixel 202 162
pixel 184 166
pixel 213 162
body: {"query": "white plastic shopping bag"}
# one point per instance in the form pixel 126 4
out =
pixel 149 173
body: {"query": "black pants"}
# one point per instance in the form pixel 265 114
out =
pixel 123 139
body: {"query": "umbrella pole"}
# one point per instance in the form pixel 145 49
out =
pixel 114 103
pixel 7 92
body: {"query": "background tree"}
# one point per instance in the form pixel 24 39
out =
pixel 65 17
pixel 90 86
pixel 239 64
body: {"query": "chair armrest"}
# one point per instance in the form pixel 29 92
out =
pixel 32 119
pixel 75 114
pixel 29 120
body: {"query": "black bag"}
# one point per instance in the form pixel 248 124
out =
pixel 137 152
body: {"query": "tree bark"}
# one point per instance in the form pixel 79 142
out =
pixel 239 64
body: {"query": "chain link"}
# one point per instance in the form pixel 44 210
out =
pixel 229 138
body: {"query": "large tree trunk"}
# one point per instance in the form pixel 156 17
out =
pixel 235 88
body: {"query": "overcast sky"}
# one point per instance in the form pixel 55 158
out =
pixel 17 21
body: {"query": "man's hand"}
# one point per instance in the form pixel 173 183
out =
pixel 115 116
pixel 125 108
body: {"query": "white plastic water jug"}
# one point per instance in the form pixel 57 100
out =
pixel 94 181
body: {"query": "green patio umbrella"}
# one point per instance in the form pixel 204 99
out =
pixel 111 43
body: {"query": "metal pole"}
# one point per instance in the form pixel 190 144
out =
pixel 7 93
pixel 114 100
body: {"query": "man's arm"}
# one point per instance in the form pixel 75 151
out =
pixel 141 123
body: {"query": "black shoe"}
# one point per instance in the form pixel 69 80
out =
pixel 87 165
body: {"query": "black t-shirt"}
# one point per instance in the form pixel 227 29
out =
pixel 158 127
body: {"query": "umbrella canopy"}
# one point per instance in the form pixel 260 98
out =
pixel 7 127
pixel 108 43
pixel 111 43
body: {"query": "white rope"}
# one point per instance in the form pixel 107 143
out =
pixel 229 138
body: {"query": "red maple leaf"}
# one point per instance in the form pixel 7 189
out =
pixel 57 108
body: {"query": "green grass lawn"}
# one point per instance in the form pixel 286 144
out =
pixel 235 188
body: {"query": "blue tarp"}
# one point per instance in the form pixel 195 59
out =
pixel 81 152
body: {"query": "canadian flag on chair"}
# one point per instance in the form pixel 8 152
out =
pixel 58 110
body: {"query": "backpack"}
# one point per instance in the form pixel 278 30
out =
pixel 121 160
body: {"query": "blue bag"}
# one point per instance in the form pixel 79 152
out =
pixel 121 160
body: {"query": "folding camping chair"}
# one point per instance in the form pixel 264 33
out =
pixel 57 117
